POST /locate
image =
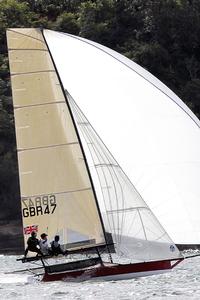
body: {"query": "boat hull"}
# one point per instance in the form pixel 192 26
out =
pixel 109 271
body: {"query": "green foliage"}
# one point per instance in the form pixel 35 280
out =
pixel 191 92
pixel 96 20
pixel 68 22
pixel 13 14
pixel 161 35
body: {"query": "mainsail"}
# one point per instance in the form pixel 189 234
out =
pixel 152 134
pixel 56 191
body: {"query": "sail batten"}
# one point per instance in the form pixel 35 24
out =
pixel 64 192
pixel 38 104
pixel 35 72
pixel 56 191
pixel 49 146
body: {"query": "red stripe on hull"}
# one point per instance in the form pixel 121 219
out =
pixel 112 270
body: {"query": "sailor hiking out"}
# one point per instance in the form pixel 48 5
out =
pixel 56 248
pixel 33 244
pixel 43 243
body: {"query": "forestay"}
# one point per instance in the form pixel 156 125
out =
pixel 149 130
pixel 56 192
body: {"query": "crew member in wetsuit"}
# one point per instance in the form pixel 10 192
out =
pixel 56 248
pixel 33 244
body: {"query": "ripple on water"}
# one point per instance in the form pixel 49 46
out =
pixel 181 284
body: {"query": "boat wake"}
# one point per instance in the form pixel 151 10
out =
pixel 87 275
pixel 15 278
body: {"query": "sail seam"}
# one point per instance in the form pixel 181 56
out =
pixel 57 193
pixel 105 165
pixel 49 146
pixel 26 49
pixel 38 104
pixel 127 209
pixel 33 72
pixel 26 35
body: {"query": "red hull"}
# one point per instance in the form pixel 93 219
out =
pixel 113 271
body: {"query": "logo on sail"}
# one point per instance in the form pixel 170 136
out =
pixel 30 229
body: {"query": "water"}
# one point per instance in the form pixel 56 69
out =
pixel 182 283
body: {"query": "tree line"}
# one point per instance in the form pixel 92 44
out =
pixel 163 36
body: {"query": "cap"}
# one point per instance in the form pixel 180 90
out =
pixel 43 235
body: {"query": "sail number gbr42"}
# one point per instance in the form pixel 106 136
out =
pixel 37 206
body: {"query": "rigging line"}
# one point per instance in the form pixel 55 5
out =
pixel 161 236
pixel 137 234
pixel 99 154
pixel 127 209
pixel 144 231
pixel 103 193
pixel 49 146
pixel 109 157
pixel 134 218
pixel 77 133
pixel 86 137
pixel 155 223
pixel 84 208
pixel 142 76
pixel 127 179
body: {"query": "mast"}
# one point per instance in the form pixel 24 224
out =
pixel 55 187
pixel 80 143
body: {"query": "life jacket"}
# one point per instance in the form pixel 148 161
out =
pixel 32 242
pixel 55 245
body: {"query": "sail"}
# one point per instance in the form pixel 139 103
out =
pixel 153 135
pixel 56 191
pixel 135 231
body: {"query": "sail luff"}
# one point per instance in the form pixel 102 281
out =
pixel 54 182
pixel 78 136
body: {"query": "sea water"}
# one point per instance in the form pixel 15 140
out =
pixel 181 283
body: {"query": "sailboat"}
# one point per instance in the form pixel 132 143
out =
pixel 70 183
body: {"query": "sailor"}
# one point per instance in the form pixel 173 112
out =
pixel 33 244
pixel 56 248
pixel 43 243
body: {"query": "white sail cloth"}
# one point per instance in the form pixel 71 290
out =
pixel 152 134
pixel 136 233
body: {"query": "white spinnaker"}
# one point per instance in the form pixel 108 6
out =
pixel 136 233
pixel 149 130
pixel 56 192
